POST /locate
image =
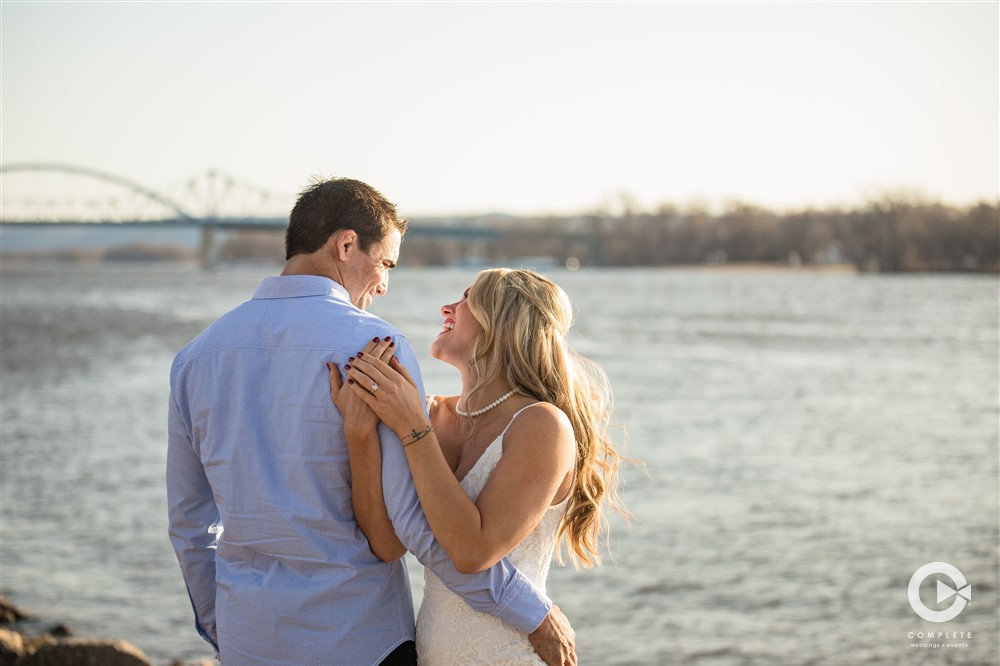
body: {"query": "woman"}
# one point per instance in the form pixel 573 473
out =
pixel 518 461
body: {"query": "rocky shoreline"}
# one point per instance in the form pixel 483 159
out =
pixel 24 643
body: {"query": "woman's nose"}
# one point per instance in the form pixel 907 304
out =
pixel 448 309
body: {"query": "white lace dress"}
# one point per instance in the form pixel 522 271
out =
pixel 451 633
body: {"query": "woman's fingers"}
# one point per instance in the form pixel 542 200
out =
pixel 390 352
pixel 380 348
pixel 363 393
pixel 366 377
pixel 377 365
pixel 335 381
pixel 372 345
pixel 370 368
pixel 398 367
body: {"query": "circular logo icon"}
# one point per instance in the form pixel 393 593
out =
pixel 962 592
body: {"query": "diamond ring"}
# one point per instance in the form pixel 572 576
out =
pixel 374 387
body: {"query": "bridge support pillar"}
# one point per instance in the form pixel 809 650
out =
pixel 205 247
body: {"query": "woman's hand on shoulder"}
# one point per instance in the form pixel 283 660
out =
pixel 358 416
pixel 389 390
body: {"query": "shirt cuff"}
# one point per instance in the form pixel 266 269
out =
pixel 524 606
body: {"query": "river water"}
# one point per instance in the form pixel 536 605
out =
pixel 809 440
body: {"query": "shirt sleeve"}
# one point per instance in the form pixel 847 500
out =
pixel 194 521
pixel 500 590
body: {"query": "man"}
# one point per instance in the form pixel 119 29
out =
pixel 258 475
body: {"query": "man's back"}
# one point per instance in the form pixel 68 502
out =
pixel 253 433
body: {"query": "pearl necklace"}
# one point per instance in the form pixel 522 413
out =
pixel 480 412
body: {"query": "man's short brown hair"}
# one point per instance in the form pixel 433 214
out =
pixel 329 205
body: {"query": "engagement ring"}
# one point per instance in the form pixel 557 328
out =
pixel 374 387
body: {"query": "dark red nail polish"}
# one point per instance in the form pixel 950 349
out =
pixel 350 381
pixel 361 354
pixel 376 340
pixel 387 338
pixel 392 344
pixel 347 366
pixel 351 359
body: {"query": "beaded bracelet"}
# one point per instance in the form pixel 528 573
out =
pixel 417 436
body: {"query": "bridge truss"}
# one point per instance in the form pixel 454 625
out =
pixel 53 194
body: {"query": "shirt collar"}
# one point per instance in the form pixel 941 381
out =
pixel 299 286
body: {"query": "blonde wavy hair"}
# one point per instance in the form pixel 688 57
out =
pixel 525 318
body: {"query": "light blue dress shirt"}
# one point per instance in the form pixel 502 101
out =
pixel 259 492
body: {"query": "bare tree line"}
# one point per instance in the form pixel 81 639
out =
pixel 891 234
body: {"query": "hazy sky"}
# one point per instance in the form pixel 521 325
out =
pixel 521 107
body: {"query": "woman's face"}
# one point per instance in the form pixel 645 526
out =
pixel 458 334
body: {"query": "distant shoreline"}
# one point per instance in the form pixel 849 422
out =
pixel 889 235
pixel 765 267
pixel 749 267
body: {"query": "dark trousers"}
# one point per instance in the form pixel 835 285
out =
pixel 404 655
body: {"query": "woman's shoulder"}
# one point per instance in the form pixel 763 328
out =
pixel 539 419
pixel 541 437
pixel 541 412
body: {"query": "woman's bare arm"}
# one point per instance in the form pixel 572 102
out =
pixel 367 499
pixel 535 470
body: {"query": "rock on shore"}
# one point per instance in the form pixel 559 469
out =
pixel 85 652
pixel 11 646
pixel 10 613
pixel 17 649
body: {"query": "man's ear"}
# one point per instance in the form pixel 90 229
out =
pixel 342 242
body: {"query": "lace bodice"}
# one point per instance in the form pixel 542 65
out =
pixel 448 630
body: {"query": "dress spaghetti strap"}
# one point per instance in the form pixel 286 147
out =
pixel 518 413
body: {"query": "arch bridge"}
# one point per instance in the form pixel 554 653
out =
pixel 47 193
